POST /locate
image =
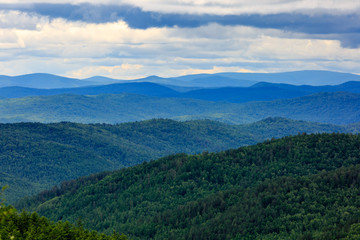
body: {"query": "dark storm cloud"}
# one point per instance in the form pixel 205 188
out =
pixel 345 28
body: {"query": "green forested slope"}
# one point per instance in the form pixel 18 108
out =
pixel 37 156
pixel 320 206
pixel 335 108
pixel 279 188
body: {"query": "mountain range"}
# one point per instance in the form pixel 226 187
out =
pixel 137 100
pixel 261 91
pixel 137 177
pixel 309 77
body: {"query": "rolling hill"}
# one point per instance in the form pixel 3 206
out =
pixel 299 187
pixel 37 156
pixel 335 108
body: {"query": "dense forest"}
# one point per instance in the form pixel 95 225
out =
pixel 299 187
pixel 38 156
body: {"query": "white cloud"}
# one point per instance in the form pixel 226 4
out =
pixel 9 40
pixel 115 50
pixel 20 20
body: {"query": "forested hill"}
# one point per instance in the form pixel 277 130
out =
pixel 299 187
pixel 37 156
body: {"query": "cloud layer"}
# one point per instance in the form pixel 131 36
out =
pixel 169 38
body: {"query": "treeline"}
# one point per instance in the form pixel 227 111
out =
pixel 26 226
pixel 299 187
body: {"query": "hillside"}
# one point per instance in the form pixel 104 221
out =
pixel 300 187
pixel 320 206
pixel 335 108
pixel 37 156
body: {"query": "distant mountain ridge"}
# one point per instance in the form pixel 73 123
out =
pixel 261 91
pixel 143 88
pixel 306 77
pixel 309 77
pixel 43 81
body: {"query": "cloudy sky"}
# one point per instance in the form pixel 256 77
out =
pixel 129 39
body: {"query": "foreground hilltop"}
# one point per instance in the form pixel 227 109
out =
pixel 300 187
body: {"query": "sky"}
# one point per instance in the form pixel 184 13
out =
pixel 134 39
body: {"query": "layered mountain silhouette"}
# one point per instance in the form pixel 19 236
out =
pixel 315 78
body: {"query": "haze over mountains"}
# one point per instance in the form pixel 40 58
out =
pixel 310 77
pixel 261 91
pixel 68 129
pixel 180 120
pixel 136 100
pixel 43 80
